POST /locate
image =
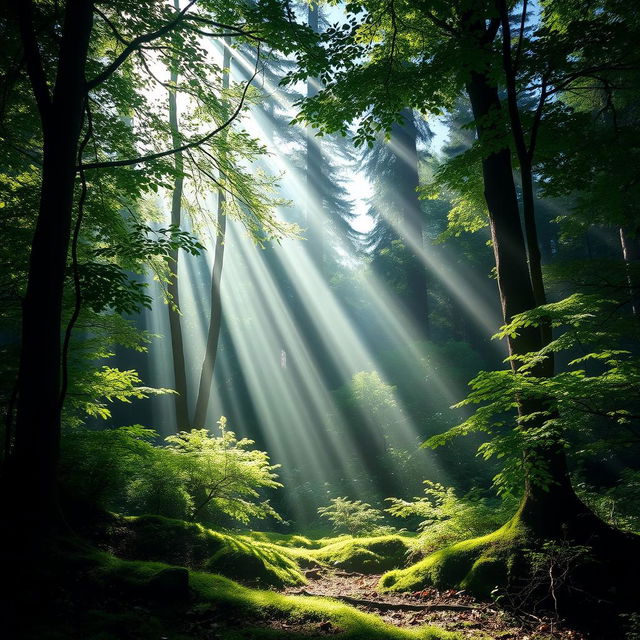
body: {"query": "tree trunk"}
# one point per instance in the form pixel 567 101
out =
pixel 313 171
pixel 544 510
pixel 411 220
pixel 525 155
pixel 630 245
pixel 215 321
pixel 181 400
pixel 37 437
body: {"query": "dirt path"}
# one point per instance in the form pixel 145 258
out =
pixel 451 610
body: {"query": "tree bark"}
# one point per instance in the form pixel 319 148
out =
pixel 181 400
pixel 313 171
pixel 37 436
pixel 543 509
pixel 411 221
pixel 525 154
pixel 630 245
pixel 215 321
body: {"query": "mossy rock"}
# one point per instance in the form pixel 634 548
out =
pixel 365 555
pixel 477 565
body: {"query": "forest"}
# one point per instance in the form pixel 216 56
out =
pixel 320 318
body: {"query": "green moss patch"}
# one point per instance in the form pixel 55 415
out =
pixel 477 565
pixel 155 538
pixel 365 555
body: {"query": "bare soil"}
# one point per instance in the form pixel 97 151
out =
pixel 450 610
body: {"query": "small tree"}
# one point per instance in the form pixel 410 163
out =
pixel 223 475
pixel 354 516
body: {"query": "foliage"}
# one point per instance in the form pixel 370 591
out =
pixel 446 518
pixel 195 476
pixel 353 516
pixel 96 467
pixel 598 386
pixel 618 505
pixel 223 474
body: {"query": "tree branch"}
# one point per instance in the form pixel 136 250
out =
pixel 190 145
pixel 35 68
pixel 135 43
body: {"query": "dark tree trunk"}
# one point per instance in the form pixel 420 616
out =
pixel 544 510
pixel 215 320
pixel 525 154
pixel 181 400
pixel 37 436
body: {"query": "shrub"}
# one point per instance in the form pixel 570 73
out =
pixel 446 518
pixel 353 516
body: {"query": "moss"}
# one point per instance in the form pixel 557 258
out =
pixel 477 565
pixel 112 598
pixel 242 558
pixel 365 555
pixel 283 540
pixel 189 544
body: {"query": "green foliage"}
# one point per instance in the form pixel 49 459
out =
pixel 446 518
pixel 223 474
pixel 96 467
pixel 353 516
pixel 618 505
pixel 195 476
pixel 597 387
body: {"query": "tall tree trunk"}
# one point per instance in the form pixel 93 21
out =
pixel 630 245
pixel 543 509
pixel 215 321
pixel 313 171
pixel 411 220
pixel 181 399
pixel 34 459
pixel 525 153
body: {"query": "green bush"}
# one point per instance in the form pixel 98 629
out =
pixel 194 476
pixel 447 519
pixel 353 516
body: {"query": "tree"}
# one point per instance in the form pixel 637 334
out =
pixel 387 57
pixel 393 168
pixel 99 66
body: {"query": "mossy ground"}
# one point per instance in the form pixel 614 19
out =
pixel 189 544
pixel 477 565
pixel 101 597
pixel 365 555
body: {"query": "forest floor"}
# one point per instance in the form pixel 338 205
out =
pixel 450 610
